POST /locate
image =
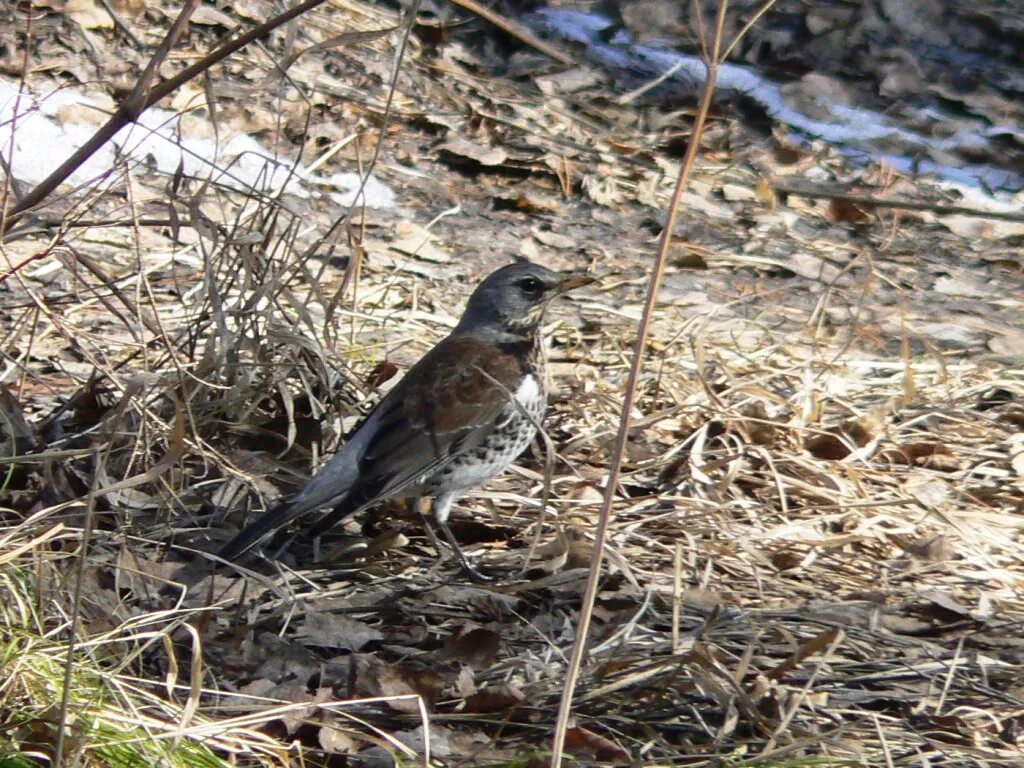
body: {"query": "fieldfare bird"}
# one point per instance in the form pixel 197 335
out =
pixel 459 417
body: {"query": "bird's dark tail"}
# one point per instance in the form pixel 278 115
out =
pixel 272 520
pixel 344 510
pixel 279 516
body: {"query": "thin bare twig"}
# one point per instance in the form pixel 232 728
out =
pixel 712 62
pixel 514 29
pixel 939 209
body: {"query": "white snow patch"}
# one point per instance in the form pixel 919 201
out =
pixel 43 139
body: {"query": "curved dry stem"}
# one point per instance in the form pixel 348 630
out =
pixel 712 59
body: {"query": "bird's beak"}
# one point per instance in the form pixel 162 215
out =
pixel 572 280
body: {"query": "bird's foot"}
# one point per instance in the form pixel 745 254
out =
pixel 467 568
pixel 474 575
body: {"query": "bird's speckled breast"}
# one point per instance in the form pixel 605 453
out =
pixel 514 430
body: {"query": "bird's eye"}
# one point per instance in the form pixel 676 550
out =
pixel 531 286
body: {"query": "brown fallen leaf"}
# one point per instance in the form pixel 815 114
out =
pixel 87 14
pixel 858 432
pixel 335 740
pixel 553 239
pixel 502 698
pixel 756 424
pixel 811 647
pixel 1013 415
pixel 844 210
pixel 828 447
pixel 382 371
pixel 946 602
pixel 935 455
pixel 476 648
pixel 766 194
pixel 378 678
pixel 528 202
pixel 463 148
pixel 418 242
pixel 785 560
pixel 581 741
pixel 330 630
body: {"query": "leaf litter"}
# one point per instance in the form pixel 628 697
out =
pixel 817 544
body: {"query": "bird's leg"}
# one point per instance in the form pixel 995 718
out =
pixel 442 509
pixel 420 505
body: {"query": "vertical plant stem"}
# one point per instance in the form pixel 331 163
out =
pixel 76 605
pixel 653 286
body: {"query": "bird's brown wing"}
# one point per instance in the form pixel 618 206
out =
pixel 448 402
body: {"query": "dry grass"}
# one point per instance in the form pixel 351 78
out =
pixel 815 557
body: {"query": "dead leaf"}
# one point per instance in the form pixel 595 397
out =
pixel 528 201
pixel 766 194
pixel 785 560
pixel 829 447
pixel 581 741
pixel 737 193
pixel 927 490
pixel 553 239
pixel 329 630
pixel 378 678
pixel 568 81
pixel 499 699
pixel 88 14
pixel 757 424
pixel 1013 415
pixel 206 15
pixel 382 371
pixel 418 242
pixel 809 648
pixel 934 455
pixel 335 740
pixel 936 549
pixel 947 602
pixel 843 210
pixel 1008 342
pixel 383 542
pixel 528 248
pixel 297 693
pixel 462 147
pixel 552 555
pixel 465 683
pixel 476 648
pixel 963 285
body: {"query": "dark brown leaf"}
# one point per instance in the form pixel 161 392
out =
pixel 377 678
pixel 476 648
pixel 844 210
pixel 500 699
pixel 581 741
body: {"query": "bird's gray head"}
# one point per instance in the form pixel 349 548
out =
pixel 512 300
